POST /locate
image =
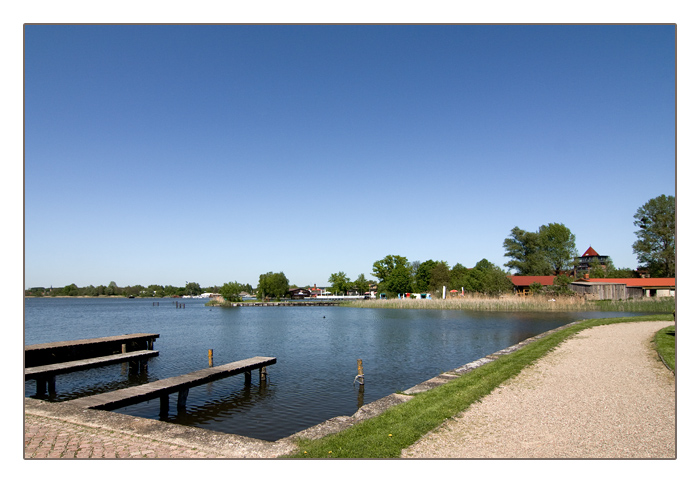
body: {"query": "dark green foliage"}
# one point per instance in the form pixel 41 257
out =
pixel 340 283
pixel 548 251
pixel 656 238
pixel 485 278
pixel 231 291
pixel 394 274
pixel 272 285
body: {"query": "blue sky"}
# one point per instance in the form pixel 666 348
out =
pixel 166 154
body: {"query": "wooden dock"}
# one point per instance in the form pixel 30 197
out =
pixel 43 362
pixel 71 350
pixel 180 384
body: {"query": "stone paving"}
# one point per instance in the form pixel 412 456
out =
pixel 59 430
pixel 54 438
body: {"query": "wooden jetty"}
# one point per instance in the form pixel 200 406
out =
pixel 180 384
pixel 43 362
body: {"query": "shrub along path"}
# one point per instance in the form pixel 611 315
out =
pixel 602 393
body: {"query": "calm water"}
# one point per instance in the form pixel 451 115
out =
pixel 316 349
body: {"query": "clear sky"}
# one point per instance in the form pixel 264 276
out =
pixel 168 154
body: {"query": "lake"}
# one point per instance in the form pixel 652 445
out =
pixel 316 349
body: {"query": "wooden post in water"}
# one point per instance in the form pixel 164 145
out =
pixel 182 399
pixel 211 357
pixel 247 378
pixel 164 405
pixel 360 377
pixel 263 374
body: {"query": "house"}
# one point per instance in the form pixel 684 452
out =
pixel 299 293
pixel 522 282
pixel 623 288
pixel 583 263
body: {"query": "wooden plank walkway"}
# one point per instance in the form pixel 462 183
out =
pixel 72 366
pixel 164 387
pixel 70 350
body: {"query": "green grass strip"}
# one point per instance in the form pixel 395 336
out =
pixel 400 426
pixel 666 346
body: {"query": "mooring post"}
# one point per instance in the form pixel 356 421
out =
pixel 123 348
pixel 52 385
pixel 360 377
pixel 263 374
pixel 182 399
pixel 247 378
pixel 211 357
pixel 164 405
pixel 40 386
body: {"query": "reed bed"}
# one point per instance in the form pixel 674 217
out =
pixel 511 303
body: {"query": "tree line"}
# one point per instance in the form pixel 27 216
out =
pixel 551 250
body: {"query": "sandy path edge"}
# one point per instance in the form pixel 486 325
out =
pixel 603 393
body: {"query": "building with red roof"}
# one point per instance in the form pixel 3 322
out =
pixel 583 263
pixel 623 288
pixel 522 282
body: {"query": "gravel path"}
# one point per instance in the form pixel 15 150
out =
pixel 601 394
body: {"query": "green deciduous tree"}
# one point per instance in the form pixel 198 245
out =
pixel 548 251
pixel 273 285
pixel 361 284
pixel 422 275
pixel 340 282
pixel 656 238
pixel 439 276
pixel 558 246
pixel 522 248
pixel 231 291
pixel 394 274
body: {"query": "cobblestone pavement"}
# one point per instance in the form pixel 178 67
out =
pixel 52 438
pixel 59 430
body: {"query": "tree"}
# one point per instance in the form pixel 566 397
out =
pixel 394 274
pixel 340 283
pixel 422 275
pixel 361 284
pixel 193 288
pixel 493 280
pixel 523 248
pixel 71 290
pixel 231 291
pixel 656 238
pixel 550 250
pixel 458 275
pixel 272 285
pixel 558 246
pixel 439 276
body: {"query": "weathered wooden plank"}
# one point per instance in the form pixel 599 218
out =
pixel 65 351
pixel 160 389
pixel 79 365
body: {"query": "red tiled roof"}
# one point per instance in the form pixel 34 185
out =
pixel 590 253
pixel 526 280
pixel 637 282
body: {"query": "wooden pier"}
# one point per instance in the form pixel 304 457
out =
pixel 43 362
pixel 180 384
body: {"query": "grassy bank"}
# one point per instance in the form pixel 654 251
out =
pixel 665 341
pixel 533 303
pixel 400 426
